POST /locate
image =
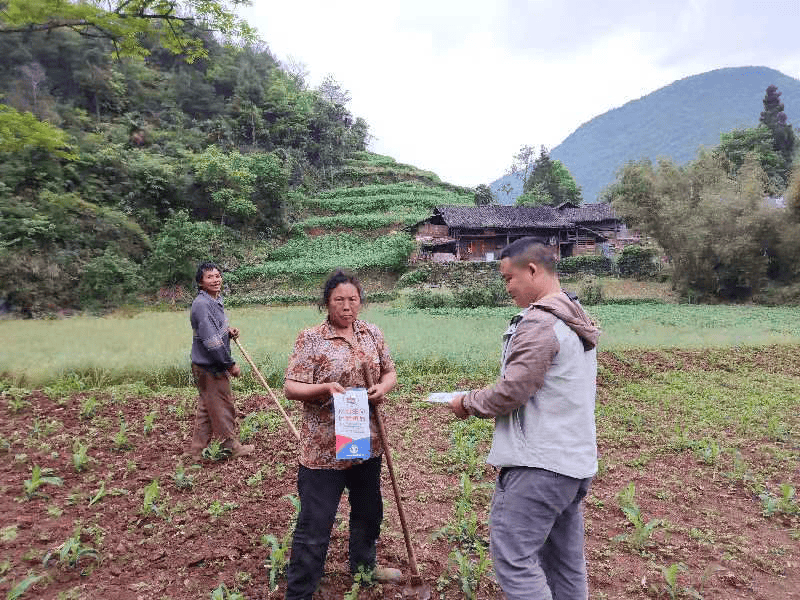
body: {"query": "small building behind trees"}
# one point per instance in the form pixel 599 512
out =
pixel 479 233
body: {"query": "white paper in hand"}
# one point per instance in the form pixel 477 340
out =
pixel 444 397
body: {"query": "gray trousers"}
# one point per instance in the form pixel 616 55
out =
pixel 536 535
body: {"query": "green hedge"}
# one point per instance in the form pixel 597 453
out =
pixel 586 263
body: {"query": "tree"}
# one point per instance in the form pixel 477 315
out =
pixel 483 195
pixel 522 163
pixel 774 119
pixel 716 230
pixel 175 23
pixel 20 131
pixel 549 183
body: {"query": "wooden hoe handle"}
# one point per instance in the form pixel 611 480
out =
pixel 263 381
pixel 412 560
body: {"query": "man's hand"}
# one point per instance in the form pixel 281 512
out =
pixel 233 333
pixel 457 406
pixel 234 371
pixel 376 394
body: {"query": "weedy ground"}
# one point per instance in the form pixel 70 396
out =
pixel 696 496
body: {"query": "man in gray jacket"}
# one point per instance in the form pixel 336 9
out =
pixel 544 438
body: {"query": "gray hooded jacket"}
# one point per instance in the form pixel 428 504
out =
pixel 543 402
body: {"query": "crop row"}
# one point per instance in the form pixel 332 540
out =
pixel 321 254
pixel 371 220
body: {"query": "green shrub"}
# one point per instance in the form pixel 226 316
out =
pixel 585 263
pixel 413 278
pixel 430 299
pixel 591 291
pixel 638 262
pixel 492 293
pixel 109 279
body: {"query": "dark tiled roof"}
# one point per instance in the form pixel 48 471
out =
pixel 588 213
pixel 526 216
pixel 501 216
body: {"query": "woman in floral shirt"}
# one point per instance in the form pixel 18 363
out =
pixel 326 360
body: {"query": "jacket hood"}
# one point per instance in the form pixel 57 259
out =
pixel 572 314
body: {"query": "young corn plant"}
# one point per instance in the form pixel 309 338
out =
pixel 181 480
pixel 469 570
pixel 89 406
pixel 39 477
pixel 216 509
pixel 69 554
pixel 783 504
pixel 149 422
pixel 641 536
pixel 222 592
pixel 20 588
pixel 80 460
pixel 362 578
pixel 149 502
pixel 673 589
pixel 278 558
pixel 121 441
pixel 216 451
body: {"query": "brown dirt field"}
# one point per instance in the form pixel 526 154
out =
pixel 713 525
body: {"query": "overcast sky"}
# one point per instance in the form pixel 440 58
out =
pixel 456 86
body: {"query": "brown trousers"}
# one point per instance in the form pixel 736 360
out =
pixel 216 414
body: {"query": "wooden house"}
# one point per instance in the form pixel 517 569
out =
pixel 459 232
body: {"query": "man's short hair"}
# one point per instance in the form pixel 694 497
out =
pixel 201 270
pixel 531 250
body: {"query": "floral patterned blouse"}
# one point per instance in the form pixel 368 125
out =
pixel 322 356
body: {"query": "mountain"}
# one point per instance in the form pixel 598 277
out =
pixel 673 122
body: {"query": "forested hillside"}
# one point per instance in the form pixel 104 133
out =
pixel 130 169
pixel 673 122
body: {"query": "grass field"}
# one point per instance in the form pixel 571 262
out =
pixel 151 344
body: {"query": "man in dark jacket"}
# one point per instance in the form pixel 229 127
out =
pixel 213 366
pixel 544 436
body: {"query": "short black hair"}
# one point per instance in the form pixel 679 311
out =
pixel 202 268
pixel 338 277
pixel 531 249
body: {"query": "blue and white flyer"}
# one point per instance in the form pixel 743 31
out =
pixel 351 410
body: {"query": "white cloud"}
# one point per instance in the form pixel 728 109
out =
pixel 457 86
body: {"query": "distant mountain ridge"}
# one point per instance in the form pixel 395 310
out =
pixel 673 122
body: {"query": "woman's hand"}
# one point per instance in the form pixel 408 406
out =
pixel 377 394
pixel 334 388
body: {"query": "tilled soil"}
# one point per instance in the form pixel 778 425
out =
pixel 713 525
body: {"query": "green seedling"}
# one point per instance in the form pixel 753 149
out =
pixel 151 494
pixel 279 549
pixel 256 478
pixel 20 588
pixel 149 419
pixel 80 460
pixel 5 567
pixel 5 445
pixel 70 553
pixel 40 477
pixel 181 480
pixel 674 590
pixel 469 570
pixel 640 537
pixel 362 578
pixel 707 451
pixel 217 509
pixel 40 429
pixel 99 494
pixel 8 534
pixel 89 406
pixel 277 560
pixel 784 504
pixel 223 593
pixel 216 451
pixel 121 442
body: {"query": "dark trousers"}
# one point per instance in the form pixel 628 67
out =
pixel 320 491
